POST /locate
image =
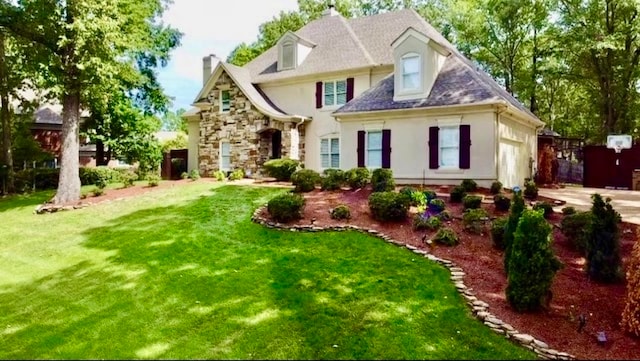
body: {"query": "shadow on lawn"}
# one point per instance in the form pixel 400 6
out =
pixel 202 281
pixel 24 200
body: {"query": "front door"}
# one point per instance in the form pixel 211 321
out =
pixel 276 144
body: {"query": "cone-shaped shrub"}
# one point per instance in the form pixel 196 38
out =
pixel 532 264
pixel 603 243
pixel 517 207
pixel 631 314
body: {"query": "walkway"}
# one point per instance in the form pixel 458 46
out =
pixel 627 203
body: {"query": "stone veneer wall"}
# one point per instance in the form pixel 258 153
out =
pixel 243 126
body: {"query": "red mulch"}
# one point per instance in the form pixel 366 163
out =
pixel 573 293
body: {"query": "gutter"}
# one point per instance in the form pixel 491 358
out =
pixel 429 108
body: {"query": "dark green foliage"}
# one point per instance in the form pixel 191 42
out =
pixel 408 191
pixel 286 207
pixel 436 205
pixel 474 220
pixel 530 190
pixel 194 174
pixel 546 207
pixel 457 194
pixel 429 194
pixel 517 207
pixel 333 179
pixel 446 236
pixel 341 212
pixel 357 177
pixel 532 264
pixel 236 175
pixel 280 169
pixel 496 187
pixel 444 215
pixel 603 243
pixel 501 202
pixel 421 222
pixel 153 180
pixel 567 211
pixel 471 202
pixel 24 180
pixel 91 175
pixel 382 180
pixel 305 180
pixel 469 185
pixel 388 206
pixel 497 232
pixel 576 228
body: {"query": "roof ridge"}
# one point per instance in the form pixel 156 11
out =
pixel 357 40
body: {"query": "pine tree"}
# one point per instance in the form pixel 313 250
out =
pixel 603 244
pixel 517 207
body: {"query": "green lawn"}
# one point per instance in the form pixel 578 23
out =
pixel 183 273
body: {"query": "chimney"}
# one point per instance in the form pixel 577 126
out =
pixel 331 10
pixel 209 62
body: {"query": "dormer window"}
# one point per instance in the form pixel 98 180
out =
pixel 288 55
pixel 292 50
pixel 411 72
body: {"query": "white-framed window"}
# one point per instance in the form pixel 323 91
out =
pixel 330 153
pixel 374 149
pixel 288 55
pixel 225 101
pixel 225 156
pixel 335 92
pixel 449 147
pixel 411 71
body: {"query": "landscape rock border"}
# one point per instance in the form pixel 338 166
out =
pixel 480 309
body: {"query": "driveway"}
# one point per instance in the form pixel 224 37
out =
pixel 627 203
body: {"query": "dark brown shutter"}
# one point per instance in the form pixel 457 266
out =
pixel 349 89
pixel 361 134
pixel 386 148
pixel 465 146
pixel 434 133
pixel 319 95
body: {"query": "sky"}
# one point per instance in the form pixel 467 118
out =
pixel 210 27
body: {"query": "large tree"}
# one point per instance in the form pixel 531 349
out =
pixel 81 44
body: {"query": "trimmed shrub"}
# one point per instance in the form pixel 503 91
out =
pixel 341 212
pixel 469 185
pixel 236 175
pixel 333 179
pixel 423 221
pixel 436 205
pixel 496 187
pixel 631 313
pixel 471 202
pixel 280 169
pixel 517 207
pixel 446 236
pixel 184 175
pixel 530 190
pixel 305 180
pixel 129 178
pixel 388 206
pixel 357 177
pixel 567 211
pixel 603 243
pixel 546 207
pixel 501 202
pixel 444 215
pixel 408 191
pixel 194 174
pixel 575 227
pixel 91 175
pixel 429 195
pixel 457 194
pixel 474 220
pixel 497 232
pixel 220 175
pixel 98 192
pixel 153 180
pixel 382 180
pixel 532 265
pixel 286 207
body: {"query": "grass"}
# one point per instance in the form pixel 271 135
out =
pixel 183 273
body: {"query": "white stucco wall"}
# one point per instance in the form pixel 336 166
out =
pixel 518 144
pixel 192 146
pixel 409 147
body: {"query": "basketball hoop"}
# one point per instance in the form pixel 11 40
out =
pixel 619 142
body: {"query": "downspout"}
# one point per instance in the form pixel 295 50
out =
pixel 302 120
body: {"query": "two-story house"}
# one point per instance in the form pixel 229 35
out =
pixel 381 91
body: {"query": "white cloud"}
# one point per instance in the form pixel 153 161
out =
pixel 211 27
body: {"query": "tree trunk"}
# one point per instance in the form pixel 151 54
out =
pixel 100 156
pixel 69 182
pixel 534 73
pixel 5 114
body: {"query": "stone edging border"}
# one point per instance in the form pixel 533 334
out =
pixel 479 308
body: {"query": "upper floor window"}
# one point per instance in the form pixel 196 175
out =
pixel 288 55
pixel 411 71
pixel 335 92
pixel 225 101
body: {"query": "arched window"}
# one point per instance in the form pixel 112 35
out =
pixel 411 75
pixel 288 55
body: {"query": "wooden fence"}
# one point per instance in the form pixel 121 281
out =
pixel 603 168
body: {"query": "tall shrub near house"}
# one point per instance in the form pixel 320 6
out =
pixel 631 314
pixel 532 264
pixel 517 207
pixel 603 243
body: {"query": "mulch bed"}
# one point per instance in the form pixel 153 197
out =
pixel 573 293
